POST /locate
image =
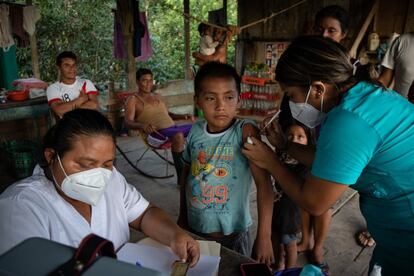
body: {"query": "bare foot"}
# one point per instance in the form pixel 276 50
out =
pixel 281 263
pixel 316 256
pixel 281 258
pixel 365 239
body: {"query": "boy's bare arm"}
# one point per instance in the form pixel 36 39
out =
pixel 182 215
pixel 263 250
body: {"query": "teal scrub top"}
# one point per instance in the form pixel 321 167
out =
pixel 367 141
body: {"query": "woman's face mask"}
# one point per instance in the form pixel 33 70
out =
pixel 306 113
pixel 86 186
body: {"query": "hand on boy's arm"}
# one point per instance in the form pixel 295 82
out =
pixel 260 154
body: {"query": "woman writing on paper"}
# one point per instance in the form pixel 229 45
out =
pixel 78 191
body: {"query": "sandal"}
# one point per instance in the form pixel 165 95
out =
pixel 322 265
pixel 365 239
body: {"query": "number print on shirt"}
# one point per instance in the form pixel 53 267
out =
pixel 65 98
pixel 217 194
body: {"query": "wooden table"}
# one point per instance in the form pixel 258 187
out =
pixel 29 102
pixel 230 262
pixel 30 108
pixel 24 119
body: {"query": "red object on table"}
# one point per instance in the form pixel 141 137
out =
pixel 26 84
pixel 21 95
pixel 123 95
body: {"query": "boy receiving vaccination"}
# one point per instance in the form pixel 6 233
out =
pixel 216 178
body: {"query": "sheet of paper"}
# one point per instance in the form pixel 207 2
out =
pixel 160 259
pixel 209 248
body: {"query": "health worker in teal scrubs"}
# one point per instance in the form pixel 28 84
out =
pixel 366 142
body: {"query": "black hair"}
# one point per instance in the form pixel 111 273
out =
pixel 202 27
pixel 65 54
pixel 215 69
pixel 141 72
pixel 309 132
pixel 315 58
pixel 410 95
pixel 75 123
pixel 336 12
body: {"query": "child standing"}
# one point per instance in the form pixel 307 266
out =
pixel 286 214
pixel 216 178
pixel 207 46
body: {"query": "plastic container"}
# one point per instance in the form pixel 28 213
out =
pixel 18 95
pixel 21 156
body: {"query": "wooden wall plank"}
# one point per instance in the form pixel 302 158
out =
pixel 179 100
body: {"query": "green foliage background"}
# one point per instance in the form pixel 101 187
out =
pixel 86 28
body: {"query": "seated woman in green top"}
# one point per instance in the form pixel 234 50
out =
pixel 366 142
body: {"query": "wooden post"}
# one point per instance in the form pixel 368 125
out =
pixel 225 9
pixel 35 56
pixel 33 48
pixel 132 84
pixel 354 49
pixel 187 39
pixel 409 20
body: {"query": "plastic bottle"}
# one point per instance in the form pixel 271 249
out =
pixel 376 271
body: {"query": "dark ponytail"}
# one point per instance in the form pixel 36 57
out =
pixel 314 58
pixel 75 123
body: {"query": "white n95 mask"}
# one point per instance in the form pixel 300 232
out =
pixel 306 113
pixel 86 186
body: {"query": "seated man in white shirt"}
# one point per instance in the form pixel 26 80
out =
pixel 70 92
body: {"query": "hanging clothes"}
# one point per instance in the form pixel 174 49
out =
pixel 139 28
pixel 16 19
pixel 119 40
pixel 218 17
pixel 6 38
pixel 146 47
pixel 30 16
pixel 128 17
